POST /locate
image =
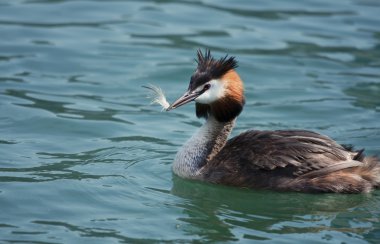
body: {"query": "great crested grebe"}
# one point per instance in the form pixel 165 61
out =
pixel 285 160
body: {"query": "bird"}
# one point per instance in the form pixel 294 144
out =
pixel 279 160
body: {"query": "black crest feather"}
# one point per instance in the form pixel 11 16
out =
pixel 210 68
pixel 217 68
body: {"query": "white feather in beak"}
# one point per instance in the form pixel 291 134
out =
pixel 157 96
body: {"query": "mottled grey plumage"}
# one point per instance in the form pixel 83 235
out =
pixel 282 160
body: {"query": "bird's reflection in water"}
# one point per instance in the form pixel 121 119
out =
pixel 223 213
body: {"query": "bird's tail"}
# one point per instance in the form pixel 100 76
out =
pixel 370 171
pixel 359 179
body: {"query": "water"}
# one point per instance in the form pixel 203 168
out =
pixel 84 158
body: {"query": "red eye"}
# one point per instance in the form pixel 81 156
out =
pixel 206 87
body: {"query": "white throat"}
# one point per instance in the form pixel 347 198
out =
pixel 201 147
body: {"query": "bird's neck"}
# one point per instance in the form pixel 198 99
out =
pixel 202 147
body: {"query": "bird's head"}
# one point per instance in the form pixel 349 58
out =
pixel 215 87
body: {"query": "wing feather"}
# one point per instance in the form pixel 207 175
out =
pixel 268 150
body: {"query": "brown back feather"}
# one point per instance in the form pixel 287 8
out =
pixel 304 151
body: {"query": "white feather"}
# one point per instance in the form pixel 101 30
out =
pixel 157 96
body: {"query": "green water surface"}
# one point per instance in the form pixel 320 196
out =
pixel 84 157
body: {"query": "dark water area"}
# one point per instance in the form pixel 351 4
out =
pixel 84 157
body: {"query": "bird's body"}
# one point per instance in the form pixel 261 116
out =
pixel 293 160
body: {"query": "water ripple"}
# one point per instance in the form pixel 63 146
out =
pixel 85 158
